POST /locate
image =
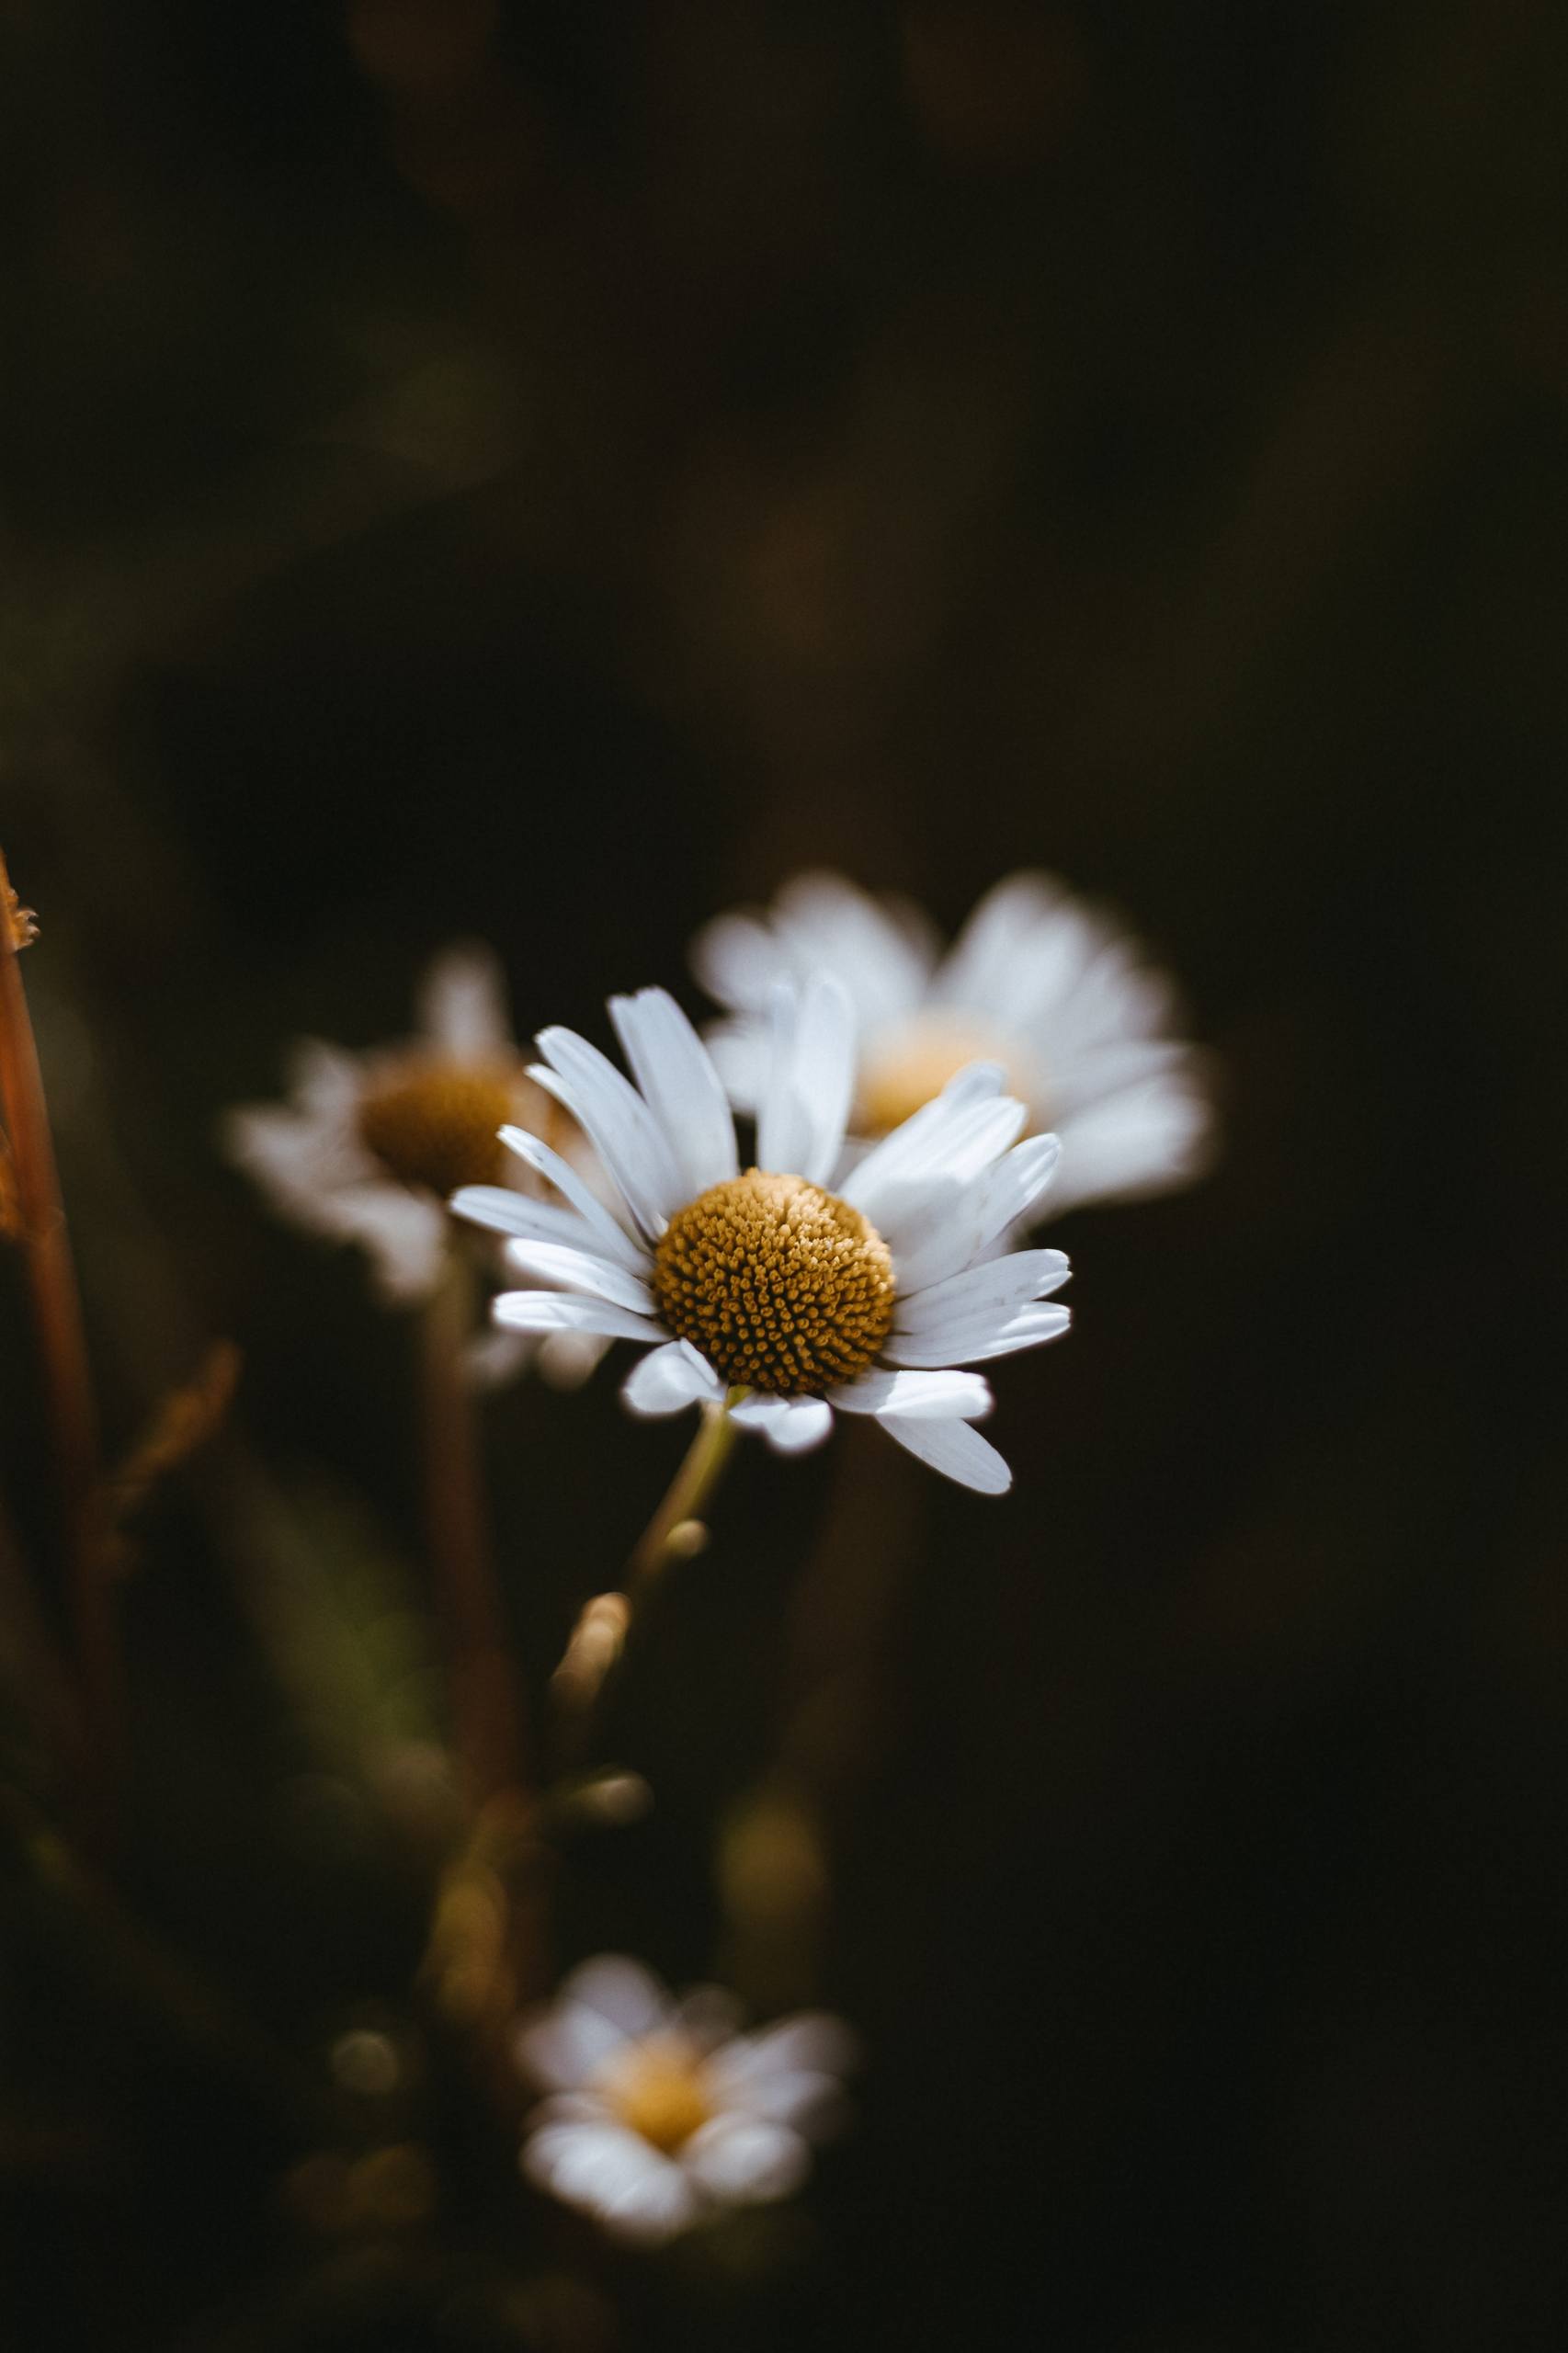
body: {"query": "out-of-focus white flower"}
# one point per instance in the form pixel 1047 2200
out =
pixel 661 2112
pixel 1049 987
pixel 760 1290
pixel 367 1146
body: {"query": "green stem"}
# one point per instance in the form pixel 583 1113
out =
pixel 600 1635
pixel 688 1495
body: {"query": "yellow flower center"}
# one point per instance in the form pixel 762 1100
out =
pixel 904 1070
pixel 435 1124
pixel 781 1286
pixel 657 2090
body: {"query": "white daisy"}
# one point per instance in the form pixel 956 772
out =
pixel 661 2113
pixel 1038 981
pixel 367 1146
pixel 760 1290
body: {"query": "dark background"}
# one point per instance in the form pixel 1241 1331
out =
pixel 545 471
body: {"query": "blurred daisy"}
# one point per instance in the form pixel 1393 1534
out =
pixel 367 1146
pixel 660 2113
pixel 1037 981
pixel 761 1290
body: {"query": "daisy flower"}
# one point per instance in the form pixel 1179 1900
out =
pixel 367 1146
pixel 758 1289
pixel 1038 981
pixel 660 2112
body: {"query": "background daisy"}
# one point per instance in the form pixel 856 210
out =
pixel 367 1146
pixel 1045 985
pixel 661 2112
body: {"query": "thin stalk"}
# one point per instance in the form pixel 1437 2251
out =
pixel 57 1313
pixel 676 1529
pixel 486 1709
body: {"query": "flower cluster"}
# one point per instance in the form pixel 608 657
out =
pixel 822 1206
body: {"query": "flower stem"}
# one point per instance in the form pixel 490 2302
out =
pixel 600 1635
pixel 57 1314
pixel 486 1712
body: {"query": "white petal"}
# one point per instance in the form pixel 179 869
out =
pixel 884 1179
pixel 609 1109
pixel 612 2172
pixel 567 1358
pixel 582 1270
pixel 988 1210
pixel 553 1311
pixel 670 1379
pixel 805 1104
pixel 740 1054
pixel 405 1234
pixel 504 1211
pixel 996 1287
pixel 621 1990
pixel 567 1181
pixel 955 1449
pixel 973 1342
pixel 742 2160
pixel 981 970
pixel 462 1005
pixel 943 1395
pixel 564 2047
pixel 790 1425
pixel 738 961
pixel 881 951
pixel 1146 1140
pixel 813 2043
pixel 679 1085
pixel 493 1356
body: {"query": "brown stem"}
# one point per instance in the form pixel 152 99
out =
pixel 486 1712
pixel 57 1313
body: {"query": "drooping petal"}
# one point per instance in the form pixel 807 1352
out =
pixel 955 1449
pixel 679 1085
pixel 670 1379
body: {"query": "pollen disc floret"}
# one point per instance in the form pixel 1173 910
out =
pixel 782 1287
pixel 437 1125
